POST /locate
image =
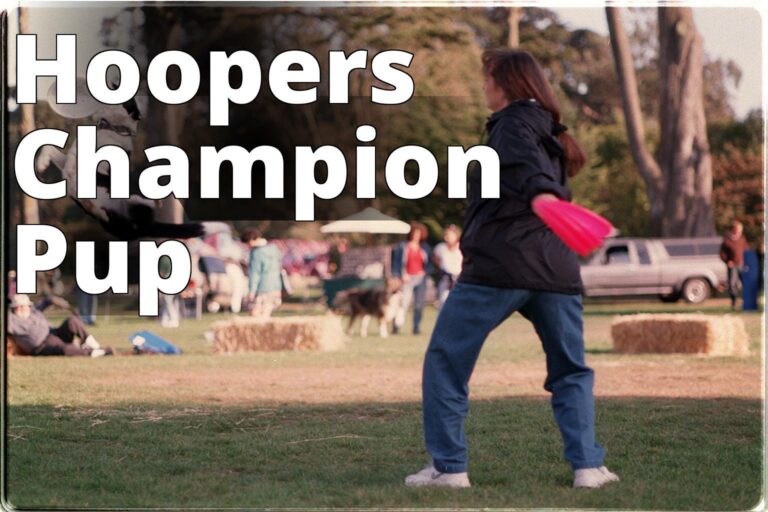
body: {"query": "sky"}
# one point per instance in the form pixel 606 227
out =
pixel 728 33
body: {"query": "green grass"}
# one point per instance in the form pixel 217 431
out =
pixel 671 454
pixel 79 436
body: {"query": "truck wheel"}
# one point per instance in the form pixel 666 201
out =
pixel 696 290
pixel 670 297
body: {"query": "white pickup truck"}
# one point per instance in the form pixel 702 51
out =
pixel 672 268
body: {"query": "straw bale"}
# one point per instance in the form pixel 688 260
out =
pixel 245 334
pixel 680 333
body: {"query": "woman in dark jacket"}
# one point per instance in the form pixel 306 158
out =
pixel 514 262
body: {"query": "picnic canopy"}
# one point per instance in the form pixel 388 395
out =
pixel 369 220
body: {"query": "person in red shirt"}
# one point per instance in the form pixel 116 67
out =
pixel 732 253
pixel 411 263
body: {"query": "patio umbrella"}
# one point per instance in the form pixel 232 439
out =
pixel 369 220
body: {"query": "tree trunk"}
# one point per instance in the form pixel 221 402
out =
pixel 684 149
pixel 30 209
pixel 513 23
pixel 171 210
pixel 679 182
pixel 633 119
pixel 164 123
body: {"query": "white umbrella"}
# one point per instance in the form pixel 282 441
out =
pixel 369 220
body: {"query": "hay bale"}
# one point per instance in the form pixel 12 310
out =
pixel 680 333
pixel 245 334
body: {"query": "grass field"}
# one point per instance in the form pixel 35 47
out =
pixel 342 429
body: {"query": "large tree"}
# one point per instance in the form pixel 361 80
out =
pixel 679 180
pixel 29 206
pixel 513 24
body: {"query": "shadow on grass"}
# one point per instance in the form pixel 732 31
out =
pixel 671 454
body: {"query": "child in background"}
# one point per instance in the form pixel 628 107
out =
pixel 447 256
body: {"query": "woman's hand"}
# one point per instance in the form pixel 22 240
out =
pixel 545 197
pixel 542 198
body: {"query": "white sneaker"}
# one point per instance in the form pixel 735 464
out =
pixel 430 477
pixel 91 343
pixel 591 478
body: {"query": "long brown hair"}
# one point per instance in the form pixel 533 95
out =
pixel 420 228
pixel 520 76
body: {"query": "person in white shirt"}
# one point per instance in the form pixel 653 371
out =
pixel 447 257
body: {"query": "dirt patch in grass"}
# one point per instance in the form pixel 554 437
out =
pixel 677 377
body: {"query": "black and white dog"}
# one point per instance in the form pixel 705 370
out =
pixel 125 219
pixel 382 303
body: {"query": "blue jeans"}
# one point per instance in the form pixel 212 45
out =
pixel 414 290
pixel 470 313
pixel 86 306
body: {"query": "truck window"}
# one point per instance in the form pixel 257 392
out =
pixel 680 249
pixel 616 254
pixel 642 253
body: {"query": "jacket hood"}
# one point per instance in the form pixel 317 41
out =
pixel 529 111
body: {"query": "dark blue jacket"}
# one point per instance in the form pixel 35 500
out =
pixel 504 243
pixel 398 258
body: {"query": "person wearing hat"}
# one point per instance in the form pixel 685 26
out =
pixel 33 334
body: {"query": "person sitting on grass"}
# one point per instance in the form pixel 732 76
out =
pixel 35 336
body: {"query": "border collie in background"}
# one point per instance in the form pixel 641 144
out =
pixel 125 219
pixel 382 303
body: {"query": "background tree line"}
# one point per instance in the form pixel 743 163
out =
pixel 631 177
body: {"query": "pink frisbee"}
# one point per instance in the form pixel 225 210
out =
pixel 582 230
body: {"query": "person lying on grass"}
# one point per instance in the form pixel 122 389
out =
pixel 35 336
pixel 514 262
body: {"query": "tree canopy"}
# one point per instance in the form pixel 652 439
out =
pixel 448 106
